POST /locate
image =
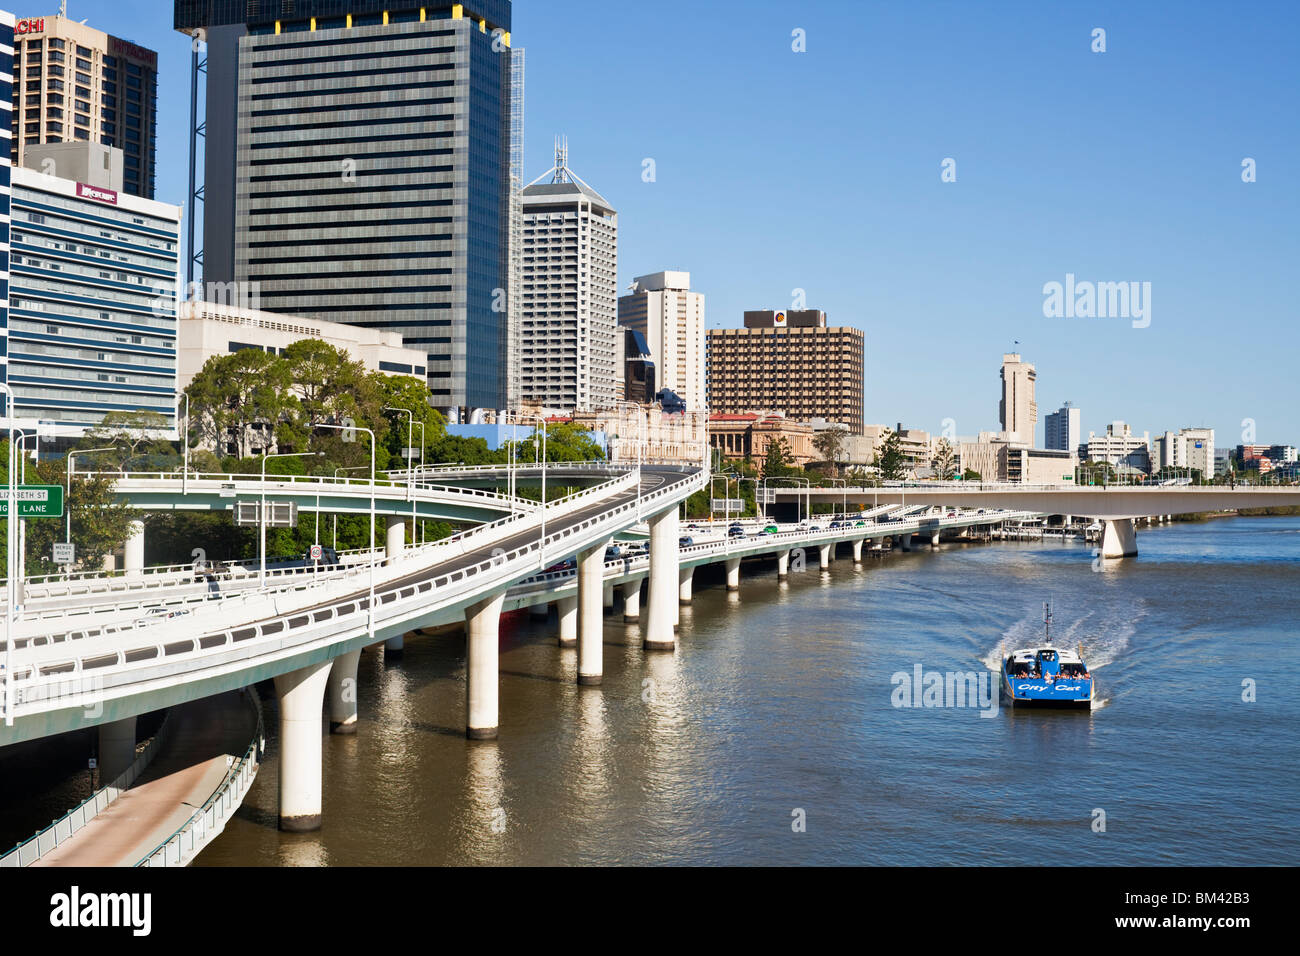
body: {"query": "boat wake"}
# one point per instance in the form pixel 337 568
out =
pixel 1104 633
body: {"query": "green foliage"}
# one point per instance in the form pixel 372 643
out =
pixel 829 442
pixel 970 474
pixel 889 460
pixel 945 460
pixel 777 458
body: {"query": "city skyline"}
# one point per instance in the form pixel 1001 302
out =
pixel 1037 125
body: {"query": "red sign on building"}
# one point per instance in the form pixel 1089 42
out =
pixel 97 193
pixel 32 25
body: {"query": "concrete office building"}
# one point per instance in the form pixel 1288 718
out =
pixel 570 353
pixel 207 329
pixel 92 280
pixel 663 308
pixel 1119 447
pixel 357 169
pixel 1063 429
pixel 1018 411
pixel 995 457
pixel 638 369
pixel 73 83
pixel 792 363
pixel 1187 448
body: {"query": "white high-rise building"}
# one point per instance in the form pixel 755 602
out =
pixel 663 308
pixel 570 354
pixel 1063 429
pixel 1186 448
pixel 1018 411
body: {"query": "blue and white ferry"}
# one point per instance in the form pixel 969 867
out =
pixel 1046 676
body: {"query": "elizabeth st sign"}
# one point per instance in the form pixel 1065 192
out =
pixel 34 501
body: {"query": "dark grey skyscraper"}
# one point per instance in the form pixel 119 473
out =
pixel 357 169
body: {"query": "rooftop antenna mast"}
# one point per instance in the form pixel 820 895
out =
pixel 63 8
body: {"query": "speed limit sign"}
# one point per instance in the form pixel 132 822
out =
pixel 316 552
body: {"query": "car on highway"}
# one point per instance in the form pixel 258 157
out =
pixel 567 564
pixel 685 541
pixel 613 553
pixel 771 529
pixel 155 614
pixel 735 531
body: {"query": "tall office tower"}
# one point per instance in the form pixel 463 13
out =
pixel 571 355
pixel 92 283
pixel 357 169
pixel 73 82
pixel 663 308
pixel 6 131
pixel 1018 411
pixel 789 362
pixel 1063 429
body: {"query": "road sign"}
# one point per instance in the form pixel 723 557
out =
pixel 35 501
pixel 728 504
pixel 317 552
pixel 279 514
pixel 64 552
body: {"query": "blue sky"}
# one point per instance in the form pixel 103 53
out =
pixel 820 170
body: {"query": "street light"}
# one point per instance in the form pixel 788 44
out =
pixel 335 516
pixel 67 498
pixel 185 463
pixel 261 512
pixel 410 437
pixel 541 549
pixel 11 498
pixel 370 603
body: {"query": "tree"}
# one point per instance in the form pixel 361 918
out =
pixel 100 523
pixel 412 394
pixel 889 461
pixel 945 460
pixel 829 442
pixel 140 434
pixel 776 460
pixel 970 474
pixel 235 395
pixel 565 441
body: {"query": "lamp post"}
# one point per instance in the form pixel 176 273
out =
pixel 410 437
pixel 67 497
pixel 261 511
pixel 335 538
pixel 370 603
pixel 11 499
pixel 185 463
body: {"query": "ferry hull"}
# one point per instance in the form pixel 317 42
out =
pixel 1037 693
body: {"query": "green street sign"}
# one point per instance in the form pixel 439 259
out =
pixel 34 501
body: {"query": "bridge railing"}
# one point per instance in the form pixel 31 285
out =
pixel 49 680
pixel 72 822
pixel 207 822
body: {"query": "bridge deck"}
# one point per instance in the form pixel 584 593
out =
pixel 182 776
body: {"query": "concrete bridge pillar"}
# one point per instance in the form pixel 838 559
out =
pixel 632 601
pixel 733 574
pixel 301 695
pixel 396 541
pixel 662 610
pixel 341 692
pixel 782 565
pixel 116 748
pixel 934 540
pixel 133 552
pixel 591 621
pixel 607 591
pixel 907 541
pixel 539 612
pixel 567 610
pixel 824 552
pixel 1119 539
pixel 482 624
pixel 394 646
pixel 857 551
pixel 685 585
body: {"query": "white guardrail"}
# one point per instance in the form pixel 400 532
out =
pixel 206 823
pixel 62 829
pixel 177 649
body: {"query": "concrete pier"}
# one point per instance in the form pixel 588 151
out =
pixel 857 551
pixel 395 543
pixel 1119 539
pixel 301 695
pixel 662 609
pixel 394 645
pixel 482 626
pixel 907 541
pixel 116 748
pixel 341 693
pixel 539 612
pixel 133 551
pixel 733 574
pixel 824 556
pixel 782 565
pixel 607 593
pixel 567 611
pixel 632 601
pixel 591 622
pixel 685 585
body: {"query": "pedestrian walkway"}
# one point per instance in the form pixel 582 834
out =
pixel 187 771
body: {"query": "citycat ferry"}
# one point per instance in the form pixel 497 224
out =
pixel 1046 676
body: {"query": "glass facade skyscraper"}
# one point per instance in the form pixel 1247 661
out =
pixel 357 171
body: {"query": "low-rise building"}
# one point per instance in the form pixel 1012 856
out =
pixel 208 329
pixel 1191 448
pixel 1119 447
pixel 746 435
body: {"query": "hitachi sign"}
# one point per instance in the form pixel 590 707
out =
pixel 97 194
pixel 34 25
